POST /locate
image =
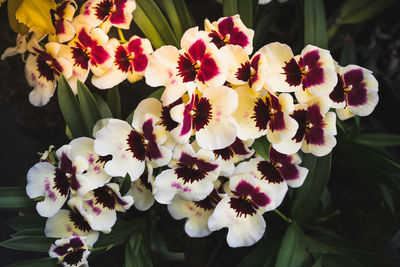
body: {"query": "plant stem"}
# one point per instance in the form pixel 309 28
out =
pixel 121 36
pixel 289 220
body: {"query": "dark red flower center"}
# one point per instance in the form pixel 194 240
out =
pixel 107 197
pixel 311 125
pixel 236 148
pixel 268 112
pixel 191 169
pixel 196 115
pixel 65 176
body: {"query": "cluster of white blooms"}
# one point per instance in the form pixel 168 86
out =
pixel 191 150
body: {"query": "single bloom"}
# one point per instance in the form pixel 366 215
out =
pixel 356 92
pixel 61 18
pixel 71 252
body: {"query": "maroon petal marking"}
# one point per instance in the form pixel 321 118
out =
pixel 81 58
pixel 314 77
pixel 261 114
pixel 244 72
pixel 140 62
pixel 277 122
pixel 166 119
pixel 104 159
pixel 237 147
pixel 237 37
pixel 269 172
pixel 74 257
pixel 192 169
pixel 242 207
pixel 122 59
pixel 143 179
pixel 189 175
pixel 357 95
pixel 65 176
pixel 292 72
pixel 136 145
pixel 225 153
pixel 61 183
pixel 202 114
pixel 61 250
pixel 135 46
pixel 254 65
pixel 152 151
pixel 98 55
pixel 103 9
pixel 338 93
pixel 79 221
pixel 208 69
pixel 315 136
pixel 289 171
pixel 217 39
pixel 148 130
pixel 107 197
pixel 118 16
pixel 186 69
pixel 314 114
pixel 311 58
pixel 85 39
pixel 197 50
pixel 225 26
pixel 301 117
pixel 205 167
pixel 45 69
pixel 76 243
pixel 187 160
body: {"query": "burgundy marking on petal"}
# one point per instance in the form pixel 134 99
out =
pixel 314 77
pixel 237 147
pixel 104 159
pixel 277 123
pixel 243 73
pixel 122 59
pixel 45 69
pixel 269 172
pixel 217 39
pixel 301 117
pixel 315 136
pixel 288 170
pixel 189 175
pixel 118 16
pixel 186 69
pixel 143 179
pixel 292 72
pixel 311 58
pixel 338 93
pixel 242 207
pixel 140 62
pixel 206 166
pixel 225 153
pixel 61 182
pixel 314 114
pixel 74 257
pixel 203 114
pixel 76 242
pixel 98 55
pixel 61 250
pixel 152 150
pixel 148 130
pixel 197 50
pixel 80 57
pixel 65 176
pixel 136 145
pixel 79 221
pixel 226 26
pixel 166 119
pixel 357 95
pixel 209 202
pixel 261 114
pixel 107 197
pixel 208 69
pixel 58 22
pixel 192 169
pixel 135 46
pixel 238 37
pixel 85 39
pixel 259 198
pixel 103 9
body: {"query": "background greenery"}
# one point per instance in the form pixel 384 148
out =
pixel 346 214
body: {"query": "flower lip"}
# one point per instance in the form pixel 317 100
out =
pixel 79 221
pixel 107 198
pixel 191 169
pixel 248 199
pixel 236 148
pixel 47 65
pixel 311 125
pixel 65 176
pixel 197 114
pixel 268 112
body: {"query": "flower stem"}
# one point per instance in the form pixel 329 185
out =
pixel 289 220
pixel 121 36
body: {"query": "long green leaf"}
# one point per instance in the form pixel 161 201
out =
pixel 357 11
pixel 88 106
pixel 29 232
pixel 151 21
pixel 126 185
pixel 230 7
pixel 186 18
pixel 348 54
pixel 315 31
pixel 102 107
pixel 246 11
pixel 378 139
pixel 334 260
pixel 263 27
pixel 14 198
pixel 174 17
pixel 309 194
pixel 70 109
pixel 157 243
pixel 26 222
pixel 292 252
pixel 28 243
pixel 262 146
pixel 44 262
pixel 114 101
pixel 264 254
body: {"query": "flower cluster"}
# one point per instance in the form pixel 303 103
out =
pixel 191 150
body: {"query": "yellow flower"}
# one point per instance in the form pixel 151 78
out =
pixel 36 15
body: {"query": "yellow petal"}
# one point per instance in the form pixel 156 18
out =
pixel 16 26
pixel 36 15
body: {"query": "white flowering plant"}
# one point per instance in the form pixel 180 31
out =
pixel 235 132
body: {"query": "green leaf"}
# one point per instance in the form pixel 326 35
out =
pixel 44 262
pixel 151 21
pixel 264 254
pixel 120 233
pixel 25 222
pixel 102 107
pixel 70 109
pixel 308 195
pixel 246 12
pixel 230 7
pixel 262 146
pixel 334 260
pixel 28 243
pixel 29 232
pixel 315 23
pixel 348 54
pixel 378 139
pixel 263 27
pixel 318 263
pixel 114 101
pixel 157 93
pixel 174 17
pixel 186 18
pixel 357 11
pixel 293 250
pixel 88 107
pixel 126 185
pixel 387 197
pixel 14 198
